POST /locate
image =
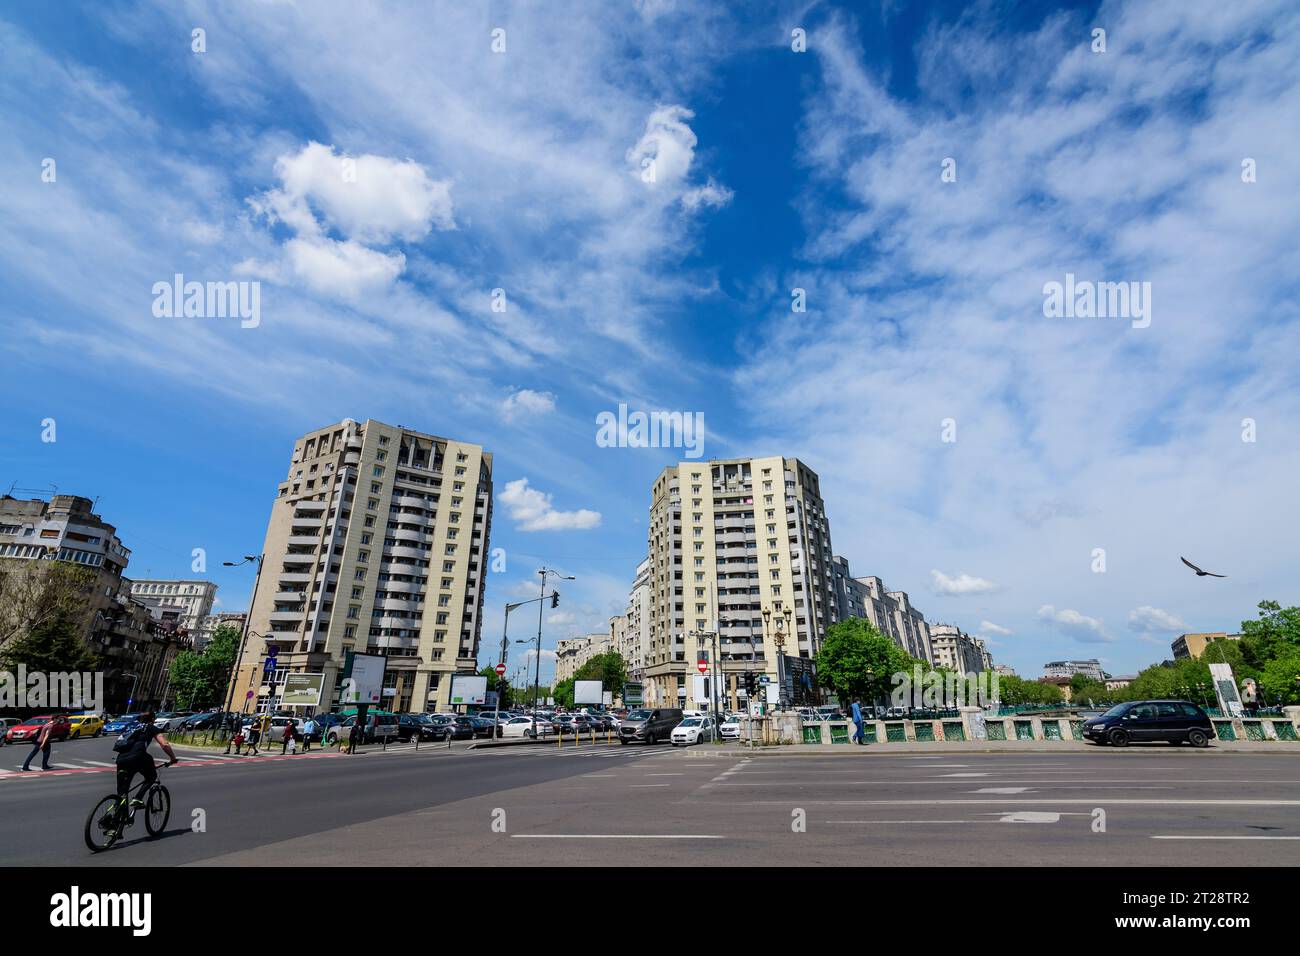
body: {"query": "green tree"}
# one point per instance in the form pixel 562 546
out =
pixel 55 643
pixel 563 693
pixel 1280 680
pixel 1275 635
pixel 199 680
pixel 608 668
pixel 857 662
pixel 38 600
pixel 499 684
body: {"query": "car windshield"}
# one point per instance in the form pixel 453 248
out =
pixel 639 715
pixel 691 722
pixel 1117 710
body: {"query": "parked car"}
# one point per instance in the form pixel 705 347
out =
pixel 85 725
pixel 693 730
pixel 7 724
pixel 30 729
pixel 1145 721
pixel 730 729
pixel 524 727
pixel 378 727
pixel 446 727
pixel 415 726
pixel 649 725
pixel 485 727
pixel 118 725
pixel 171 719
pixel 206 720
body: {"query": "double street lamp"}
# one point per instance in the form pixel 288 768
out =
pixel 784 625
pixel 248 619
pixel 540 601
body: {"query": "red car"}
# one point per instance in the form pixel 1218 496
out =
pixel 30 729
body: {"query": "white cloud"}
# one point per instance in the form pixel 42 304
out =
pixel 1078 626
pixel 379 201
pixel 667 147
pixel 711 194
pixel 532 510
pixel 988 627
pixel 526 403
pixel 344 269
pixel 1146 619
pixel 962 584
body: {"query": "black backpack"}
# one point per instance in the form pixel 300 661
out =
pixel 129 739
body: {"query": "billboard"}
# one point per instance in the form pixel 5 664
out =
pixel 363 679
pixel 588 692
pixel 302 690
pixel 632 694
pixel 1225 688
pixel 468 689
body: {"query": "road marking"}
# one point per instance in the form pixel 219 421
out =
pixel 665 775
pixel 1110 801
pixel 100 763
pixel 1176 837
pixel 1001 790
pixel 600 775
pixel 615 836
pixel 642 786
pixel 971 774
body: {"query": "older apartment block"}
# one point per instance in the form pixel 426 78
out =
pixel 739 553
pixel 377 543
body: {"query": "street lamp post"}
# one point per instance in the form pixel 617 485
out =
pixel 248 619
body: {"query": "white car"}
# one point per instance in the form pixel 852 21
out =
pixel 730 729
pixel 523 727
pixel 693 730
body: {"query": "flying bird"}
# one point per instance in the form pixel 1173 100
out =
pixel 1199 572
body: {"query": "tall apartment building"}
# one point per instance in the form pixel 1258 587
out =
pixel 192 598
pixel 891 612
pixel 730 539
pixel 636 629
pixel 209 626
pixel 1194 645
pixel 956 650
pixel 572 653
pixel 376 544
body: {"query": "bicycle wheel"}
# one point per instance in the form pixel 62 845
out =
pixel 157 809
pixel 103 828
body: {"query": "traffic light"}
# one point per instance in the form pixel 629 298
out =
pixel 555 599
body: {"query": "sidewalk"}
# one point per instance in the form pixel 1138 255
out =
pixel 950 748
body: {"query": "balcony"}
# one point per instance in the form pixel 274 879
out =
pixel 407 551
pixel 303 540
pixel 293 577
pixel 289 597
pixel 308 523
pixel 300 558
pixel 286 616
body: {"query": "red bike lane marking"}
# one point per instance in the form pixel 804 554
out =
pixel 57 772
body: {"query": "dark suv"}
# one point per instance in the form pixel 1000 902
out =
pixel 649 725
pixel 1142 721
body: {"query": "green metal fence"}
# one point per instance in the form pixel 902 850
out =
pixel 1024 730
pixel 996 730
pixel 1223 729
pixel 1284 729
pixel 1076 729
pixel 954 730
pixel 812 734
pixel 839 733
pixel 896 733
pixel 924 730
pixel 869 734
pixel 1051 730
pixel 1254 730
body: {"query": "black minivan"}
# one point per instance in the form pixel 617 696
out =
pixel 1141 721
pixel 649 725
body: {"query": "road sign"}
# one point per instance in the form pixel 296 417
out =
pixel 272 651
pixel 703 666
pixel 501 670
pixel 248 696
pixel 764 679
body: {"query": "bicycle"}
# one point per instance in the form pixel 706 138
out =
pixel 113 814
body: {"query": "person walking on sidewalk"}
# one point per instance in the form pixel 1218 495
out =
pixel 290 742
pixel 354 735
pixel 859 736
pixel 308 731
pixel 254 735
pixel 41 742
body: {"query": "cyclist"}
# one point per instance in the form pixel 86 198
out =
pixel 136 759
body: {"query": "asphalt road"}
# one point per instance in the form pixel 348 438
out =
pixel 617 805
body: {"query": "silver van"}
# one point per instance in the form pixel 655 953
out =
pixel 649 725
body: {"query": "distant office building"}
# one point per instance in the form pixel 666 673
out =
pixel 1006 670
pixel 1194 645
pixel 194 598
pixel 377 543
pixel 1067 669
pixel 571 654
pixel 956 650
pixel 211 622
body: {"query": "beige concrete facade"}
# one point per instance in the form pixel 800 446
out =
pixel 377 543
pixel 1194 645
pixel 728 540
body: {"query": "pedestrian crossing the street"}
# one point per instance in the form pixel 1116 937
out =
pixel 65 767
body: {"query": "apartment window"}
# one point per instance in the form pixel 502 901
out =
pixel 442 618
pixel 360 575
pixel 372 504
pixel 380 455
pixel 451 549
pixel 370 522
pixel 446 582
pixel 439 637
pixel 444 600
pixel 354 612
pixel 356 594
pixel 365 538
pixel 383 439
pixel 350 631
pixel 376 487
pixel 363 557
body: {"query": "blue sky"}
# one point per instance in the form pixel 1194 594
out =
pixel 522 170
